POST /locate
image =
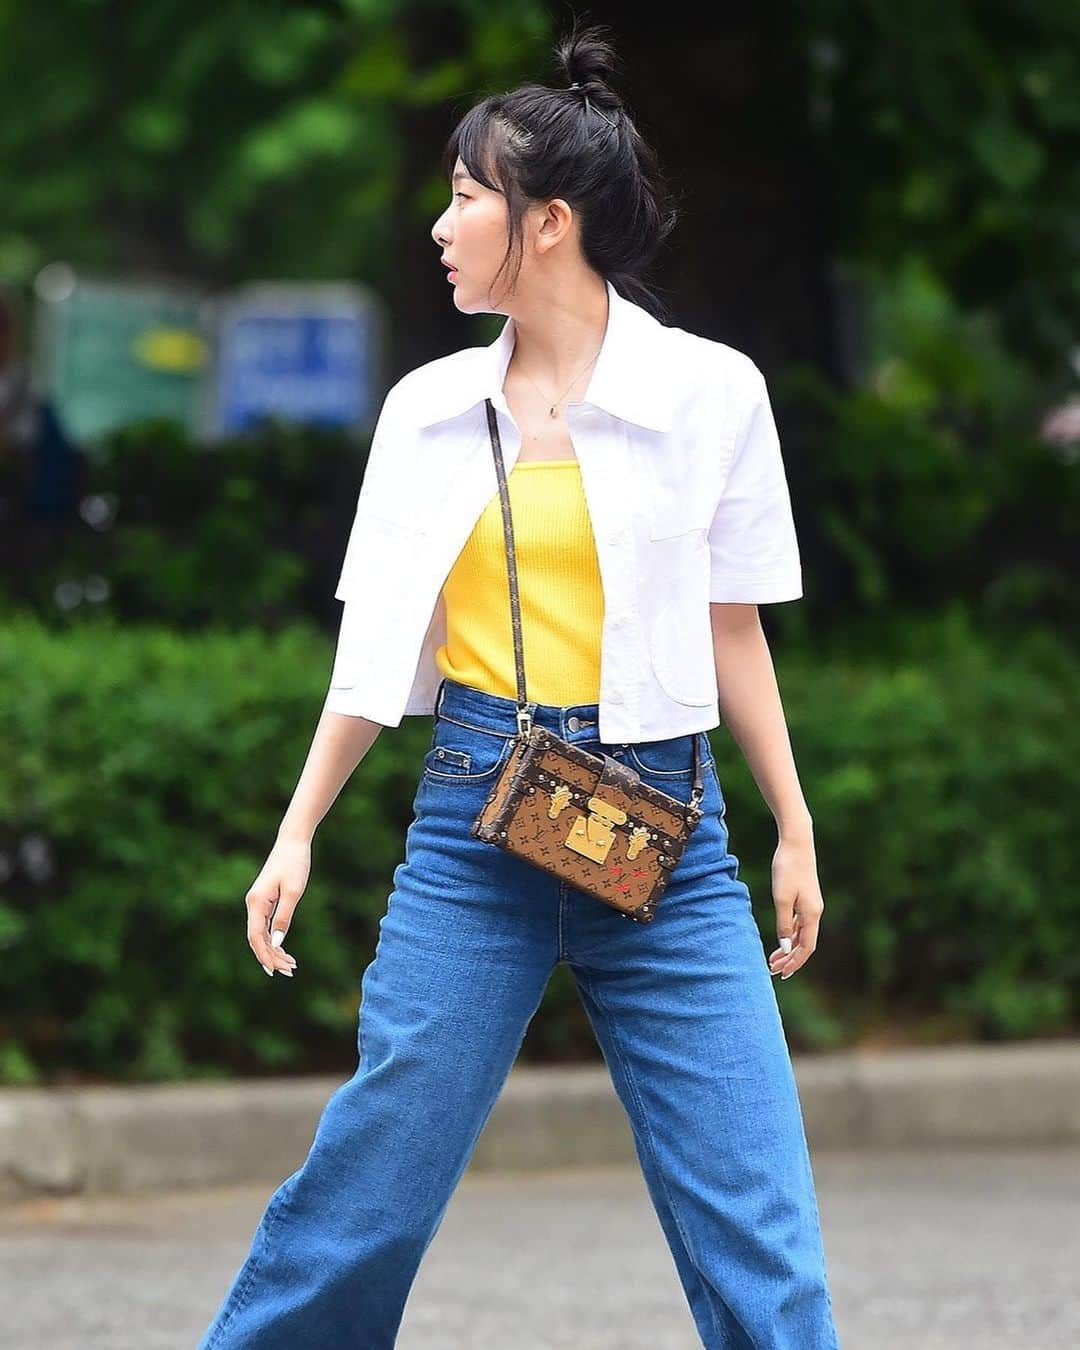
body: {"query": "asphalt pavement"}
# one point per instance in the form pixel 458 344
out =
pixel 960 1249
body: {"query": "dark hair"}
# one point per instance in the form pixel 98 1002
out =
pixel 536 143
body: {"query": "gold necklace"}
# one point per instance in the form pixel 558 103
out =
pixel 554 408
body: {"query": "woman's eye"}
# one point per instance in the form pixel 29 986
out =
pixel 462 194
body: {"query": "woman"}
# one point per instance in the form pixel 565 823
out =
pixel 651 516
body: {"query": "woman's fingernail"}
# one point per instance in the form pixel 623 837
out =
pixel 786 974
pixel 287 972
pixel 277 937
pixel 267 969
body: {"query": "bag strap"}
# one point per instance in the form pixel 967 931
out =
pixel 524 716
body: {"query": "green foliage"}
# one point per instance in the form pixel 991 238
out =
pixel 301 141
pixel 950 134
pixel 248 529
pixel 932 699
pixel 941 766
pixel 146 773
pixel 931 478
pixel 946 148
pixel 143 776
pixel 227 140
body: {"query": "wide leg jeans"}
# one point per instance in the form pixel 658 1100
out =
pixel 685 1013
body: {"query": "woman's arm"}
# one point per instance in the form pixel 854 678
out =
pixel 339 743
pixel 751 708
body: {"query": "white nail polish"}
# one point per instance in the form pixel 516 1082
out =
pixel 267 969
pixel 277 937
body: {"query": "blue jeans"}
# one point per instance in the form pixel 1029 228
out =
pixel 685 1013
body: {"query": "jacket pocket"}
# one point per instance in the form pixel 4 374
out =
pixel 680 630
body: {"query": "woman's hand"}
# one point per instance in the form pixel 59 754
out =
pixel 798 902
pixel 274 895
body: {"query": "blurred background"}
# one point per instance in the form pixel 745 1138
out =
pixel 215 256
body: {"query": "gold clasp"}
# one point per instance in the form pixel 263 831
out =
pixel 592 836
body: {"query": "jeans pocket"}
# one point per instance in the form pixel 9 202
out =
pixel 463 754
pixel 670 758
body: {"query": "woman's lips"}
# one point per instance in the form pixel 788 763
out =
pixel 450 276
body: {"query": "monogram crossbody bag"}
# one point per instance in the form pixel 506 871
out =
pixel 587 818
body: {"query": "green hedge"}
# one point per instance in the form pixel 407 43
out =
pixel 249 529
pixel 143 775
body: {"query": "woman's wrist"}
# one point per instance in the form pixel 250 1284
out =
pixel 295 832
pixel 796 827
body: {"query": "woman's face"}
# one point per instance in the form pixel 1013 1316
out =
pixel 472 236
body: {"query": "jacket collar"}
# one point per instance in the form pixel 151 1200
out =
pixel 630 379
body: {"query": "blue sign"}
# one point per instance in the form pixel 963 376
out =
pixel 296 352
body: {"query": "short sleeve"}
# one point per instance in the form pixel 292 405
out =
pixel 341 695
pixel 351 656
pixel 373 483
pixel 752 540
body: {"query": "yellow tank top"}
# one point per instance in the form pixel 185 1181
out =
pixel 559 586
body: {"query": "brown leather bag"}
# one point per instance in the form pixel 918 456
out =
pixel 586 818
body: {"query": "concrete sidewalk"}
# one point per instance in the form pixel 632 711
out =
pixel 106 1139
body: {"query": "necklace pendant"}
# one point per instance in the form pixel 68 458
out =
pixel 553 411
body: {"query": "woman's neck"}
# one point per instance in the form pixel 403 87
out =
pixel 559 333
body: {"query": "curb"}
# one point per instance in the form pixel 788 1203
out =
pixel 120 1139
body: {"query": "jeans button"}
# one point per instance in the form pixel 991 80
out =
pixel 573 723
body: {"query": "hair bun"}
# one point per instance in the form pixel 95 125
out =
pixel 587 57
pixel 549 140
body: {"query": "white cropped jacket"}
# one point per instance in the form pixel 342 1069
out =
pixel 686 490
